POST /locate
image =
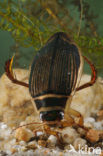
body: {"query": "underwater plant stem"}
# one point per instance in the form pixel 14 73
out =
pixel 81 15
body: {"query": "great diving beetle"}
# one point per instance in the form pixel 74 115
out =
pixel 54 78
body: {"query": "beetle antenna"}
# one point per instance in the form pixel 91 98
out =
pixel 27 125
pixel 9 73
pixel 40 124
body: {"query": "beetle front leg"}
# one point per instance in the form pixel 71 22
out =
pixel 9 73
pixel 93 77
pixel 76 114
pixel 48 131
pixel 68 121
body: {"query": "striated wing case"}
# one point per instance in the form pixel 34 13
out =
pixel 56 68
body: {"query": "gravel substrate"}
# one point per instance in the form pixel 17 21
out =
pixel 16 109
pixel 74 141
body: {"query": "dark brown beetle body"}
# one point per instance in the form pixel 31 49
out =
pixel 55 74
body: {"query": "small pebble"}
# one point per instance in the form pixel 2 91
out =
pixel 98 125
pixel 31 145
pixel 69 135
pixel 52 139
pixel 13 150
pixel 61 154
pixel 101 134
pixel 81 131
pixel 51 142
pixel 8 152
pixel 23 148
pixel 89 119
pixel 4 126
pixel 100 113
pixel 13 141
pixel 17 147
pixel 39 133
pixel 88 122
pixel 22 143
pixel 30 153
pixel 92 135
pixel 101 153
pixel 23 134
pixel 46 151
pixel 88 125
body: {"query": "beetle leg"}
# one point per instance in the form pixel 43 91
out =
pixel 93 77
pixel 48 131
pixel 9 73
pixel 69 111
pixel 68 121
pixel 76 114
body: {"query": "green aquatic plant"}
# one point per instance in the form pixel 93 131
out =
pixel 27 31
pixel 32 22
